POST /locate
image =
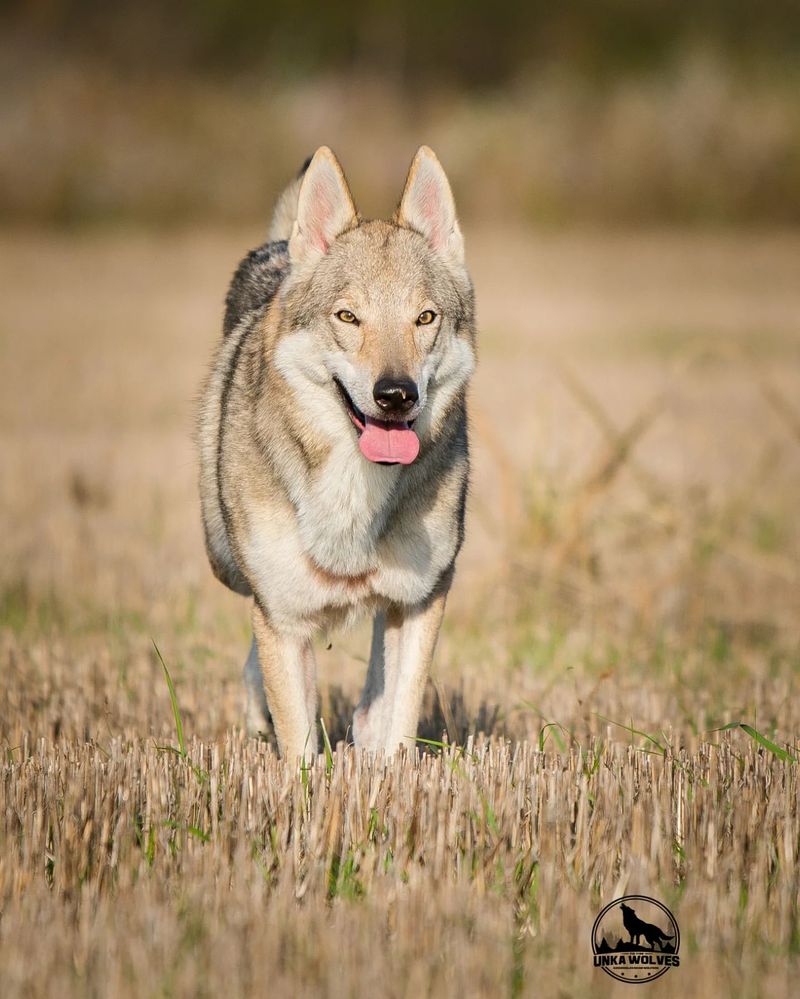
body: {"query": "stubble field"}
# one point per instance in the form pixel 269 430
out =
pixel 616 683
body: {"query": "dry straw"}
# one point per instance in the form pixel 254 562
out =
pixel 468 871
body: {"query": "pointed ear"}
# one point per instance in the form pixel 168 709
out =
pixel 427 205
pixel 324 208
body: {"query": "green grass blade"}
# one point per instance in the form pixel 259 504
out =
pixel 554 729
pixel 431 742
pixel 762 740
pixel 174 700
pixel 633 731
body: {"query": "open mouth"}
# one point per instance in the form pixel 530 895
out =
pixel 355 414
pixel 381 441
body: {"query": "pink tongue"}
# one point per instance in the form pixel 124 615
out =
pixel 388 442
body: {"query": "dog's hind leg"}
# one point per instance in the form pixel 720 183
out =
pixel 285 660
pixel 257 717
pixel 410 642
pixel 367 718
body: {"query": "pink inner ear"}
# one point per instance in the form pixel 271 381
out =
pixel 321 215
pixel 430 208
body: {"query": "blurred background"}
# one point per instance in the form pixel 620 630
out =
pixel 628 176
pixel 602 111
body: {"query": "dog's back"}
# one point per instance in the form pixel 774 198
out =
pixel 259 275
pixel 255 282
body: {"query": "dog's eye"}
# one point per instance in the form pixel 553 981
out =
pixel 426 318
pixel 346 316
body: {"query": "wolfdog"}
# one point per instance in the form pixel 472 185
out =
pixel 333 444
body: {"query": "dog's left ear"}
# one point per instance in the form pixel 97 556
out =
pixel 427 206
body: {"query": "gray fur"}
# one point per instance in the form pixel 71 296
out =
pixel 255 282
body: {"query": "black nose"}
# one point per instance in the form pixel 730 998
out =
pixel 395 395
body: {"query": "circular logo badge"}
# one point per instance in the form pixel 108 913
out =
pixel 635 939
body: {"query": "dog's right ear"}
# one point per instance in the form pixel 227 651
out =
pixel 325 208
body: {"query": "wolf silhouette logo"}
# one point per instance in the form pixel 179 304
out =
pixel 638 928
pixel 635 939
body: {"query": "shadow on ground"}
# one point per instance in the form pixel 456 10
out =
pixel 445 718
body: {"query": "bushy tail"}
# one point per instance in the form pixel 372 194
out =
pixel 286 208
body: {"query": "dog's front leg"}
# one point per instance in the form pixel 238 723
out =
pixel 411 634
pixel 287 665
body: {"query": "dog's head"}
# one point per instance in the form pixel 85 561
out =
pixel 625 909
pixel 378 315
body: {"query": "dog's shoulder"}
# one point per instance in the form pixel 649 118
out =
pixel 255 281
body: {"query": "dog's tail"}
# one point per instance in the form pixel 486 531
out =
pixel 286 208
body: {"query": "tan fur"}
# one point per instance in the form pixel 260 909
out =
pixel 293 512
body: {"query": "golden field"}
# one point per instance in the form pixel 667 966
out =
pixel 630 585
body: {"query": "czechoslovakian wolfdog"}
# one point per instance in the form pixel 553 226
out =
pixel 333 444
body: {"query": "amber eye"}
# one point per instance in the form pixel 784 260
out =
pixel 346 316
pixel 426 318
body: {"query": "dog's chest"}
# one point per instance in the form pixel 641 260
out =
pixel 344 511
pixel 344 544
